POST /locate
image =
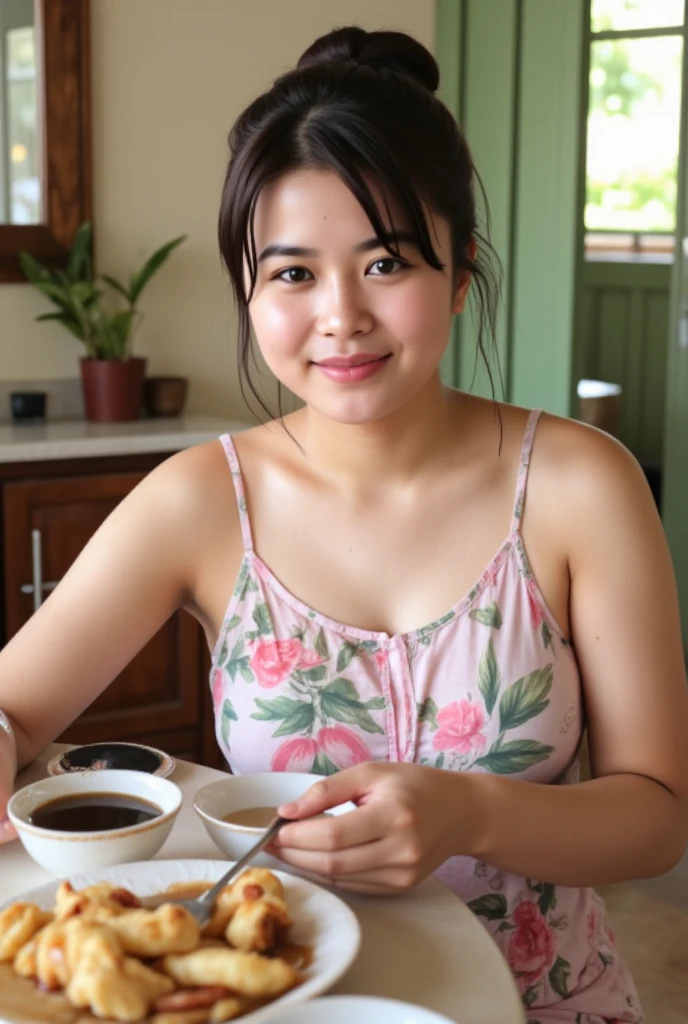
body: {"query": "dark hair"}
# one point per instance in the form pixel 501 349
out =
pixel 360 104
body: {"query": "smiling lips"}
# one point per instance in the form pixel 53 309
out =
pixel 346 369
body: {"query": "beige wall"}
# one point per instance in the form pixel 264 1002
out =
pixel 169 77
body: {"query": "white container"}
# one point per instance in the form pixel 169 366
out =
pixel 66 853
pixel 345 1009
pixel 239 792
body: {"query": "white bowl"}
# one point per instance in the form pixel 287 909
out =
pixel 239 792
pixel 65 853
pixel 361 1009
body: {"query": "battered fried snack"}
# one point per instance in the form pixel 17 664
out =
pixel 18 924
pixel 60 945
pixel 113 985
pixel 151 933
pixel 227 1009
pixel 258 925
pixel 248 974
pixel 97 902
pixel 251 885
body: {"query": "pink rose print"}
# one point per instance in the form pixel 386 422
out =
pixel 536 615
pixel 217 688
pixel 531 947
pixel 296 755
pixel 380 658
pixel 273 661
pixel 342 746
pixel 459 727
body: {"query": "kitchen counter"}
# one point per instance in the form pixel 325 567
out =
pixel 73 439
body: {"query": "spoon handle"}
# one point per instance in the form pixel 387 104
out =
pixel 269 834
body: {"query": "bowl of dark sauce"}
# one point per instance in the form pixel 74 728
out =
pixel 85 820
pixel 117 754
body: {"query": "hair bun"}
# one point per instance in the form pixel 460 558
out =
pixel 395 50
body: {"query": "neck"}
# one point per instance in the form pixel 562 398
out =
pixel 395 450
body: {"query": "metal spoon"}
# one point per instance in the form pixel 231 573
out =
pixel 202 907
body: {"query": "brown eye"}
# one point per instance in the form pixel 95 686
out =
pixel 294 275
pixel 386 266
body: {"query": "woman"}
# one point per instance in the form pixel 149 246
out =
pixel 324 554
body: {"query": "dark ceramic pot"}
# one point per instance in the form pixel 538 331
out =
pixel 113 389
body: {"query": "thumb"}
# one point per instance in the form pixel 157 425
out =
pixel 349 784
pixel 7 830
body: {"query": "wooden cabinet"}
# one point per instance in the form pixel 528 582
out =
pixel 49 512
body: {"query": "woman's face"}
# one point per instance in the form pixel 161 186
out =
pixel 328 292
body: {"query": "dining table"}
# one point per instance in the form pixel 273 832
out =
pixel 424 946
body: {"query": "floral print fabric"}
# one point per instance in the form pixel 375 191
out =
pixel 492 686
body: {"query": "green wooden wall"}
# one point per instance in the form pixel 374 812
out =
pixel 511 71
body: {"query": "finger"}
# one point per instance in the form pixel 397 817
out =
pixel 365 888
pixel 336 832
pixel 348 784
pixel 354 862
pixel 7 830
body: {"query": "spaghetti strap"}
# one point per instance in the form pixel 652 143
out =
pixel 522 481
pixel 237 480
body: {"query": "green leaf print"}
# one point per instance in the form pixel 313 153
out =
pixel 321 644
pixel 546 634
pixel 530 996
pixel 488 678
pixel 490 616
pixel 548 899
pixel 312 675
pixel 525 698
pixel 239 662
pixel 514 756
pixel 339 700
pixel 234 622
pixel 323 766
pixel 427 712
pixel 439 762
pixel 376 704
pixel 251 585
pixel 228 716
pixel 492 906
pixel 347 653
pixel 275 710
pixel 559 976
pixel 300 720
pixel 261 617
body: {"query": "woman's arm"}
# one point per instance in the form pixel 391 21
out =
pixel 631 819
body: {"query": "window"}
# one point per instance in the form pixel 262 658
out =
pixel 636 55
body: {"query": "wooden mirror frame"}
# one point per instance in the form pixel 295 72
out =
pixel 64 116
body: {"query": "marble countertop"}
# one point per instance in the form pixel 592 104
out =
pixel 74 439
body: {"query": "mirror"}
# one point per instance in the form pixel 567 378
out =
pixel 20 165
pixel 45 151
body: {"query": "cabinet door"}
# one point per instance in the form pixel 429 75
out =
pixel 159 690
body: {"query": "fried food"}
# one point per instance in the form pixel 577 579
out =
pixel 258 925
pixel 151 933
pixel 120 961
pixel 248 974
pixel 18 924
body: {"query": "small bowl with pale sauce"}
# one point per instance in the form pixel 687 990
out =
pixel 237 809
pixel 82 821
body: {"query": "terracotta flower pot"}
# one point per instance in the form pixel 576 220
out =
pixel 165 396
pixel 113 389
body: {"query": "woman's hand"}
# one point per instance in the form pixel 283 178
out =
pixel 409 820
pixel 8 764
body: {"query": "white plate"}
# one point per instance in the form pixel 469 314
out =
pixel 321 919
pixel 362 1009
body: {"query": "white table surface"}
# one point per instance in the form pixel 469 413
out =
pixel 424 947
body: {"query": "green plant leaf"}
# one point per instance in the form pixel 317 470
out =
pixel 339 700
pixel 548 898
pixel 427 712
pixel 347 653
pixel 525 698
pixel 514 756
pixel 79 263
pixel 488 678
pixel 300 720
pixel 140 280
pixel 492 906
pixel 276 709
pixel 116 285
pixel 323 766
pixel 490 616
pixel 321 644
pixel 559 977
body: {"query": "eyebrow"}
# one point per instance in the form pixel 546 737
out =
pixel 392 239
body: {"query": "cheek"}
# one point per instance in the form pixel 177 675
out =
pixel 420 315
pixel 279 327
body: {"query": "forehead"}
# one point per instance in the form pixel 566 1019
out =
pixel 309 200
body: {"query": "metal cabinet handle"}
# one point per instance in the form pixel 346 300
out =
pixel 38 586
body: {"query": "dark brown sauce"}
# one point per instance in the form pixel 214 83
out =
pixel 93 812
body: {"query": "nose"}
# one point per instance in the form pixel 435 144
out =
pixel 342 310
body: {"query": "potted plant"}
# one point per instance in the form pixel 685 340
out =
pixel 112 378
